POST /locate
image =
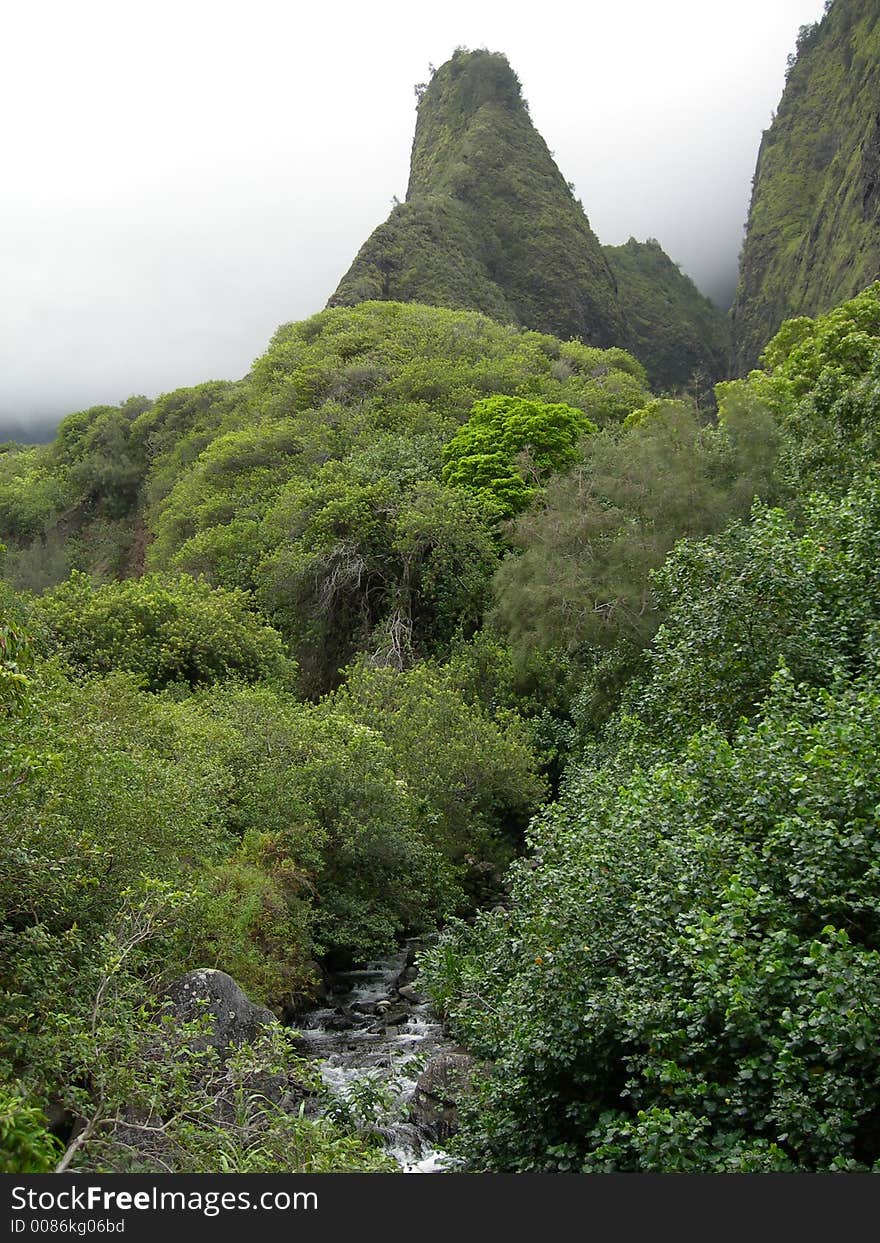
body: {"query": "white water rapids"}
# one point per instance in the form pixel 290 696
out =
pixel 371 1065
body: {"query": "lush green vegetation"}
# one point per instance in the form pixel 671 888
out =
pixel 235 827
pixel 509 447
pixel 686 975
pixel 812 237
pixel 296 667
pixel 174 770
pixel 582 579
pixel 171 631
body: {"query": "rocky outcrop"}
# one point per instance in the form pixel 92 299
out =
pixel 489 223
pixel 441 1086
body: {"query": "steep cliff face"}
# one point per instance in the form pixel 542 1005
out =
pixel 489 222
pixel 672 328
pixel 813 235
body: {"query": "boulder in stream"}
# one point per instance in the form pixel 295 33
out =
pixel 234 1017
pixel 407 975
pixel 440 1088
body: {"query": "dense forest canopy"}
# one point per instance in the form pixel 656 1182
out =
pixel 414 574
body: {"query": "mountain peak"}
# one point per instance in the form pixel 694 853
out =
pixel 458 92
pixel 813 234
pixel 489 222
pixel 470 80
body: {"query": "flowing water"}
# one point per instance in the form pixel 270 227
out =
pixel 373 1045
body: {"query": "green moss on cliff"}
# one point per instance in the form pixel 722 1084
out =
pixel 813 235
pixel 674 331
pixel 489 222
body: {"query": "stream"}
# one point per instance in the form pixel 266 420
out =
pixel 373 1044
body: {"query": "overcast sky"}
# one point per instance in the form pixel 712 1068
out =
pixel 180 178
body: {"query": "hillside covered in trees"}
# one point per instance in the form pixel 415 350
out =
pixel 676 332
pixel 813 234
pixel 440 625
pixel 435 570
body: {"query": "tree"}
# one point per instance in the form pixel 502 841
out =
pixel 739 603
pixel 473 775
pixel 687 976
pixel 369 555
pixel 510 446
pixel 581 577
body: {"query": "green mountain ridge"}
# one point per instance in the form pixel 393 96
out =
pixel 489 223
pixel 813 233
pixel 673 329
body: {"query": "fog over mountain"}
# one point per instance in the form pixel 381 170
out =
pixel 179 181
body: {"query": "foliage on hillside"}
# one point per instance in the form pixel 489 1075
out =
pixel 331 506
pixel 813 235
pixel 679 336
pixel 79 502
pixel 348 685
pixel 168 631
pixel 509 447
pixel 215 480
pixel 580 579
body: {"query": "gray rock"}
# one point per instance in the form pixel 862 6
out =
pixel 441 1086
pixel 408 993
pixel 234 1017
pixel 233 1020
pixel 340 1023
pixel 393 1016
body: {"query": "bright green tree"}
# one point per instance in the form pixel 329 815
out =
pixel 510 446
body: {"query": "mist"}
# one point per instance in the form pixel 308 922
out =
pixel 179 180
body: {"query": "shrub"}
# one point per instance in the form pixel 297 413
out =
pixel 166 630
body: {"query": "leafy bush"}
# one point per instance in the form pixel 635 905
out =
pixel 688 977
pixel 326 813
pixel 166 630
pixel 31 494
pixel 26 1146
pixel 582 577
pixel 739 603
pixel 473 775
pixel 820 387
pixel 835 348
pixel 368 555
